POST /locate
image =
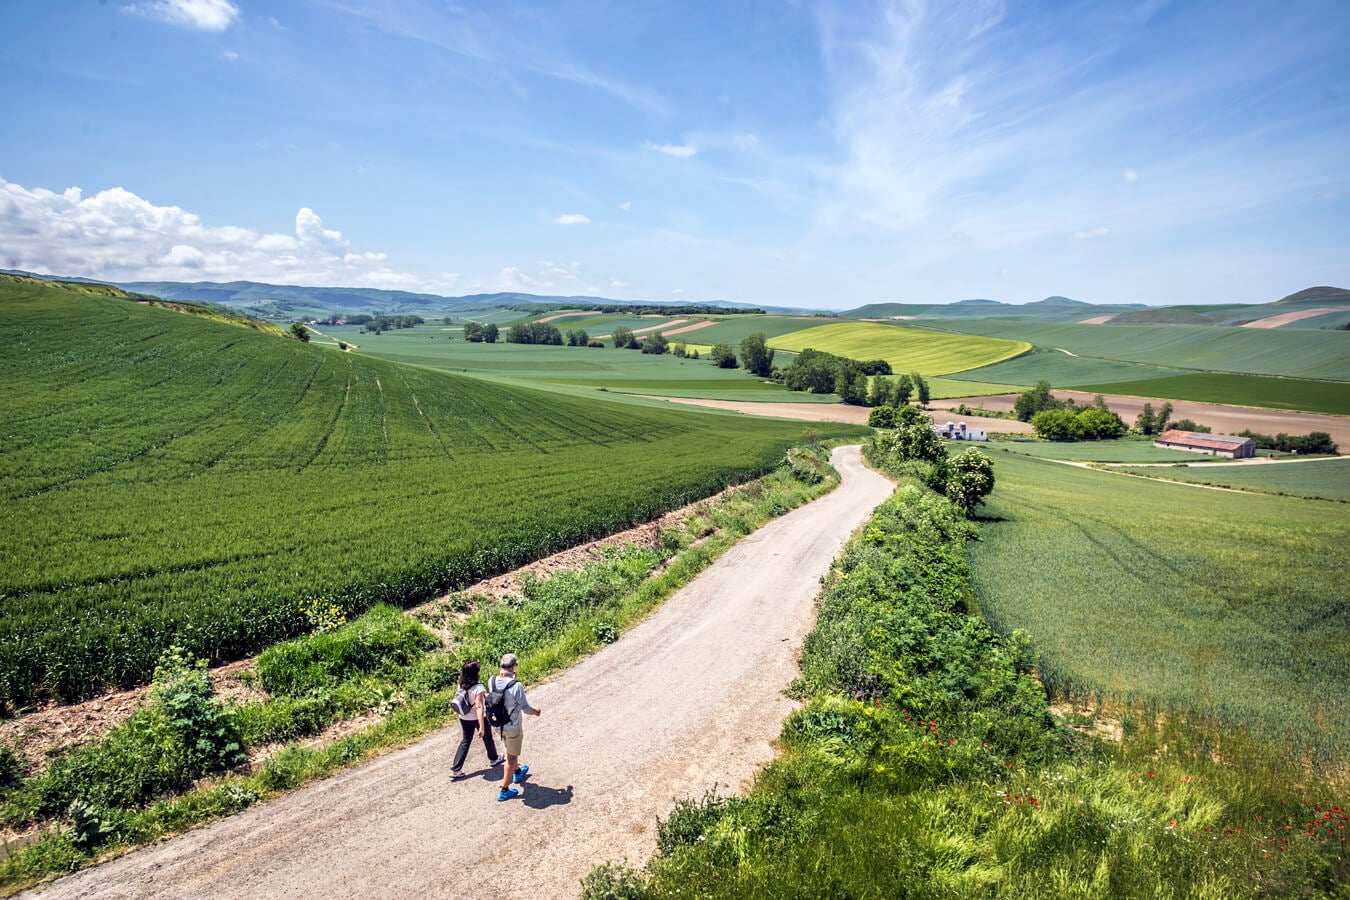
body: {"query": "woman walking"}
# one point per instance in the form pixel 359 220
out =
pixel 469 702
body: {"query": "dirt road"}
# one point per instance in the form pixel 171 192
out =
pixel 688 699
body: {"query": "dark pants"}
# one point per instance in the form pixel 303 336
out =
pixel 468 728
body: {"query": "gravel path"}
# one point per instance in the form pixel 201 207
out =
pixel 688 699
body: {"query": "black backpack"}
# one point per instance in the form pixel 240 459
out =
pixel 497 713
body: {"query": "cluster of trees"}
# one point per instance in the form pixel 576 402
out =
pixel 478 333
pixel 818 372
pixel 1064 420
pixel 1090 423
pixel 300 331
pixel 1150 422
pixel 534 333
pixel 381 324
pixel 1315 442
pixel 912 447
pixel 577 337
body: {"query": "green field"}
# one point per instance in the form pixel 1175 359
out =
pixel 1062 370
pixel 170 479
pixel 734 329
pixel 619 371
pixel 1239 390
pixel 906 349
pixel 1124 450
pixel 1326 480
pixel 1299 353
pixel 1232 606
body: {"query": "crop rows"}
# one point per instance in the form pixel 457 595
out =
pixel 168 479
pixel 906 349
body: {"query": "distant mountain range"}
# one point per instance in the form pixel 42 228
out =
pixel 284 301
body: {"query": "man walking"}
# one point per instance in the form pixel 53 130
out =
pixel 513 732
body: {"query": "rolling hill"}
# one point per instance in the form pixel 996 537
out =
pixel 172 479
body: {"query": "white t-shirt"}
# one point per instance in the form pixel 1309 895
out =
pixel 474 693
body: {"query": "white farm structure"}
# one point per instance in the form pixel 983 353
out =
pixel 957 431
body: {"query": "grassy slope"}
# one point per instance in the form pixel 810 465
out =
pixel 168 478
pixel 733 330
pixel 1230 605
pixel 1256 351
pixel 1326 480
pixel 1063 370
pixel 613 370
pixel 906 349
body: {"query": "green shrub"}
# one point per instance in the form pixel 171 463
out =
pixel 380 641
pixel 183 734
pixel 613 882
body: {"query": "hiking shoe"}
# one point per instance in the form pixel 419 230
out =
pixel 494 763
pixel 507 794
pixel 520 774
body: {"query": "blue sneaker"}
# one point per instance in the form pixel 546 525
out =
pixel 520 774
pixel 507 794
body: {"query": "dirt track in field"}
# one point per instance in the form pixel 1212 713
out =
pixel 623 733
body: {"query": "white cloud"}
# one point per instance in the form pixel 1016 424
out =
pixel 572 219
pixel 679 151
pixel 567 271
pixel 1130 175
pixel 1091 233
pixel 745 142
pixel 626 205
pixel 678 291
pixel 118 236
pixel 616 283
pixel 229 56
pixel 204 15
pixel 512 278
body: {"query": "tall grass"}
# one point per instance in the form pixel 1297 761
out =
pixel 925 764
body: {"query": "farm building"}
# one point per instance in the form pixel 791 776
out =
pixel 1213 444
pixel 957 431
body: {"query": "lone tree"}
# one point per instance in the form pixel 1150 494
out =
pixel 300 331
pixel 904 389
pixel 921 386
pixel 756 355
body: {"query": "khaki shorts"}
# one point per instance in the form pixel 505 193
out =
pixel 513 742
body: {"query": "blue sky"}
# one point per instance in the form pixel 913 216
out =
pixel 794 153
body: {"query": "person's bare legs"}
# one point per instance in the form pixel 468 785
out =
pixel 512 763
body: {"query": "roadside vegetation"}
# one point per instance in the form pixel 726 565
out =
pixel 186 756
pixel 172 481
pixel 926 763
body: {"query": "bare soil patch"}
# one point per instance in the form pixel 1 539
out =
pixel 688 328
pixel 1097 320
pixel 1286 318
pixel 571 315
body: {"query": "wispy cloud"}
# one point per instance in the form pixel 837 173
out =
pixel 1091 233
pixel 572 219
pixel 680 151
pixel 506 44
pixel 202 15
